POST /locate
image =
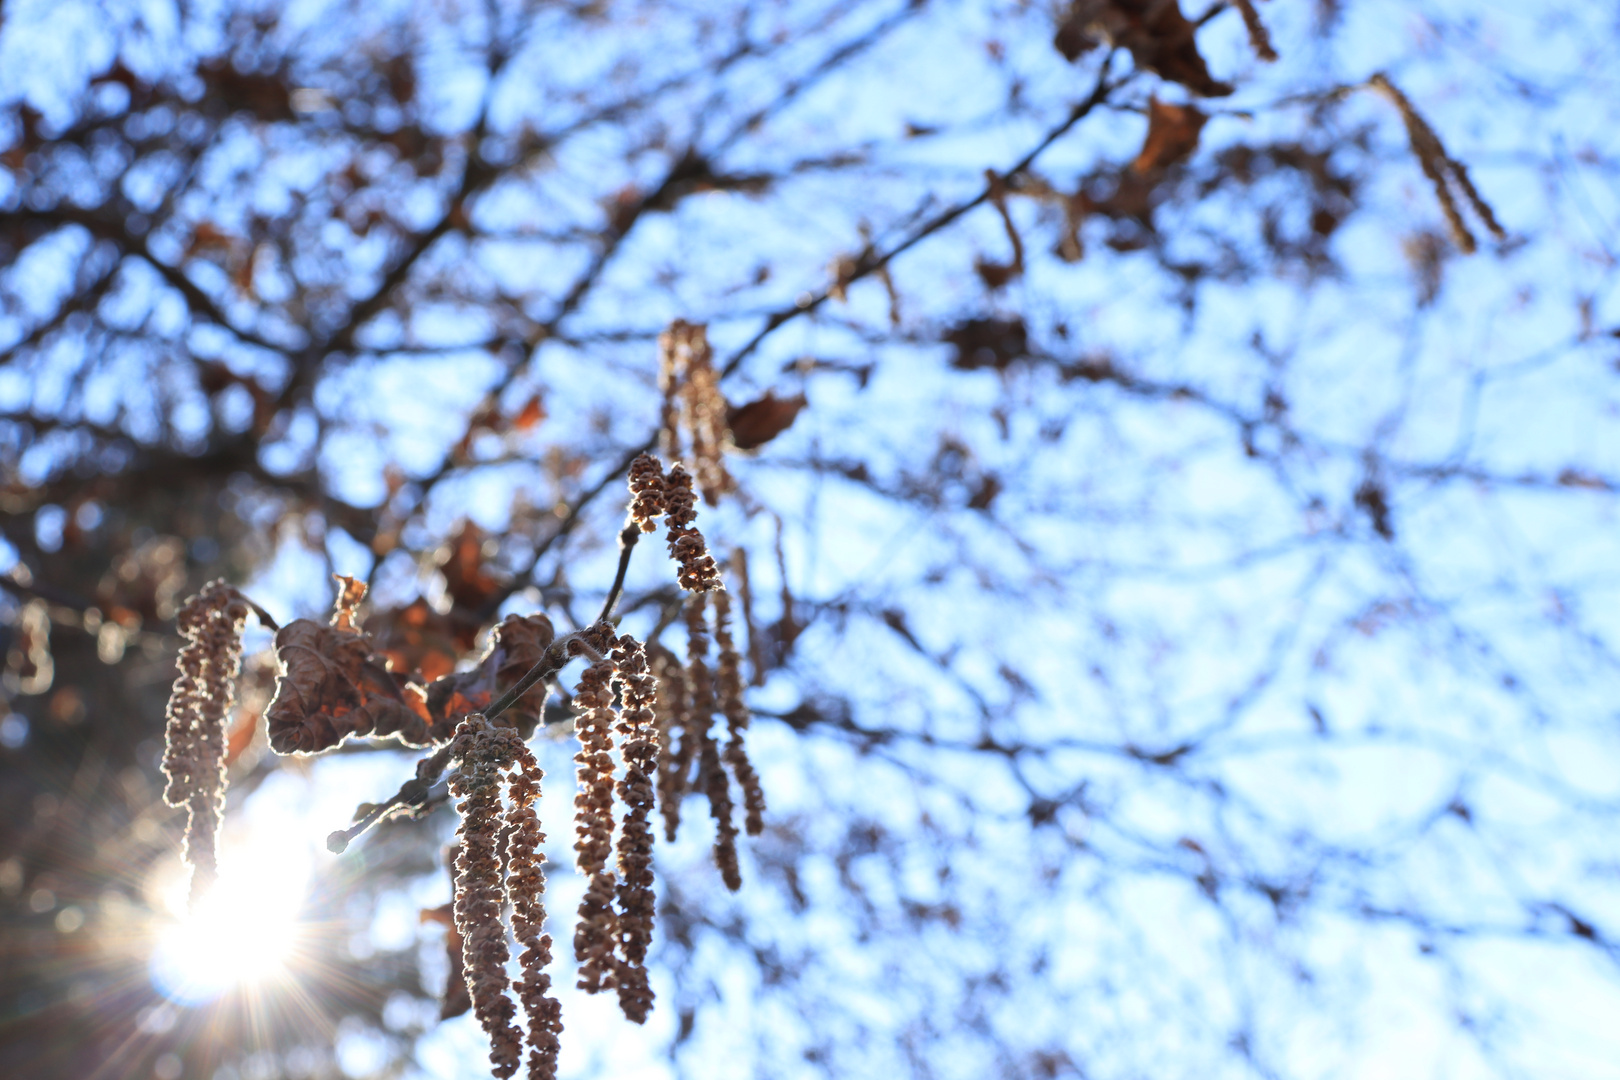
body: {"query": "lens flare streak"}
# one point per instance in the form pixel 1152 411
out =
pixel 243 932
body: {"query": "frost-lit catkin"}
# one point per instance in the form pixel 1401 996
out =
pixel 697 572
pixel 478 888
pixel 712 775
pixel 1259 37
pixel 1441 169
pixel 676 750
pixel 646 482
pixel 526 889
pixel 194 740
pixel 596 932
pixel 639 735
pixel 498 860
pixel 728 680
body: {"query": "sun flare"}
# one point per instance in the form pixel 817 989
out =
pixel 242 932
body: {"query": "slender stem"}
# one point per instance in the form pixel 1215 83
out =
pixel 413 792
pixel 870 263
pixel 264 616
pixel 627 544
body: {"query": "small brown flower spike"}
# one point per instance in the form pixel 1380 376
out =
pixel 686 546
pixel 211 623
pixel 728 677
pixel 1442 170
pixel 597 929
pixel 487 847
pixel 686 372
pixel 636 727
pixel 646 481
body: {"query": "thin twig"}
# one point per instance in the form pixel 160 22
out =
pixel 263 616
pixel 627 543
pixel 869 264
pixel 414 792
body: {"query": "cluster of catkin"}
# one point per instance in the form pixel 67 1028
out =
pixel 1443 171
pixel 692 758
pixel 194 763
pixel 498 862
pixel 655 493
pixel 692 401
pixel 688 697
pixel 661 712
pixel 611 942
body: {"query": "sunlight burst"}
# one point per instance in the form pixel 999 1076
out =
pixel 243 931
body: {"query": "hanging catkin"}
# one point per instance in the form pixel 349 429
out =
pixel 728 677
pixel 211 625
pixel 1443 171
pixel 1259 37
pixel 646 482
pixel 692 400
pixel 499 860
pixel 639 737
pixel 711 774
pixel 697 572
pixel 478 889
pixel 676 749
pixel 526 890
pixel 596 932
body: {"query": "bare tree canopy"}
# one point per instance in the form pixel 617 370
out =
pixel 1023 539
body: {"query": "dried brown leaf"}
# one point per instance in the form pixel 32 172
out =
pixel 1172 136
pixel 759 421
pixel 332 687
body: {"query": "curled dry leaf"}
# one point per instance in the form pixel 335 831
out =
pixel 421 642
pixel 1172 136
pixel 336 683
pixel 531 414
pixel 332 687
pixel 515 646
pixel 1159 37
pixel 462 563
pixel 758 422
